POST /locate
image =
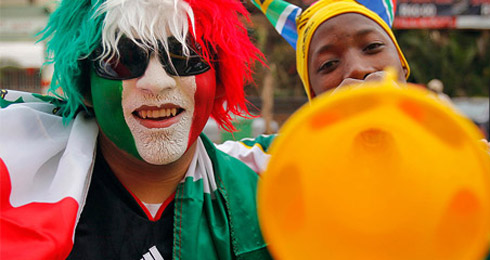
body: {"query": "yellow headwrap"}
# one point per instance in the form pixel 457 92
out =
pixel 315 15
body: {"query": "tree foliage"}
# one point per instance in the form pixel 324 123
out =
pixel 460 59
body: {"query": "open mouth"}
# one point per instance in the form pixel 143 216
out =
pixel 158 113
pixel 158 117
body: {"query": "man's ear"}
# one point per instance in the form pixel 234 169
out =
pixel 87 101
pixel 86 87
pixel 405 72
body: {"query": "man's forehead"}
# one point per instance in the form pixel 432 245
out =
pixel 334 31
pixel 355 23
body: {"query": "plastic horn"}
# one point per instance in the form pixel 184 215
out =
pixel 381 171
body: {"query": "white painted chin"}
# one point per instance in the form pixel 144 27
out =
pixel 161 146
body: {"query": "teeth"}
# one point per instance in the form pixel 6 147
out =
pixel 164 112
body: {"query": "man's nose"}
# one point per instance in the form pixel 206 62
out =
pixel 155 79
pixel 357 66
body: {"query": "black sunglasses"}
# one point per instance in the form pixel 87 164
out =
pixel 133 60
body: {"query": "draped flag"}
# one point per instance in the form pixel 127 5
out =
pixel 45 168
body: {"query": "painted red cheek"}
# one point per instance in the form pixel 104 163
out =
pixel 203 103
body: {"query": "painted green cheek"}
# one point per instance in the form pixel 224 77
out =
pixel 106 99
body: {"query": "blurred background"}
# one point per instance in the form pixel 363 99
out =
pixel 446 42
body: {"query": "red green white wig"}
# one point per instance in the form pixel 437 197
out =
pixel 76 28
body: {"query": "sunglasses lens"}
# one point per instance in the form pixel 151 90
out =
pixel 131 64
pixel 188 66
pixel 182 65
pixel 133 60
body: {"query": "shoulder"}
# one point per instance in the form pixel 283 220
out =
pixel 222 159
pixel 251 151
pixel 262 142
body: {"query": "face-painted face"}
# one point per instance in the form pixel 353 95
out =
pixel 350 48
pixel 155 117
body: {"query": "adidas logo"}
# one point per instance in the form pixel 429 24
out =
pixel 152 254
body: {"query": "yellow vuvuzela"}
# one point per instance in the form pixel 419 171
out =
pixel 382 171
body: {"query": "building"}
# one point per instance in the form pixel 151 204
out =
pixel 21 57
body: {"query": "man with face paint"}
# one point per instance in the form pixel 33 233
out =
pixel 118 168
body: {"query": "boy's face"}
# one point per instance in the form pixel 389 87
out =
pixel 157 116
pixel 350 48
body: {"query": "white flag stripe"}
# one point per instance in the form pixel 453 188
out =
pixel 201 167
pixel 390 15
pixel 254 157
pixel 283 17
pixel 59 157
